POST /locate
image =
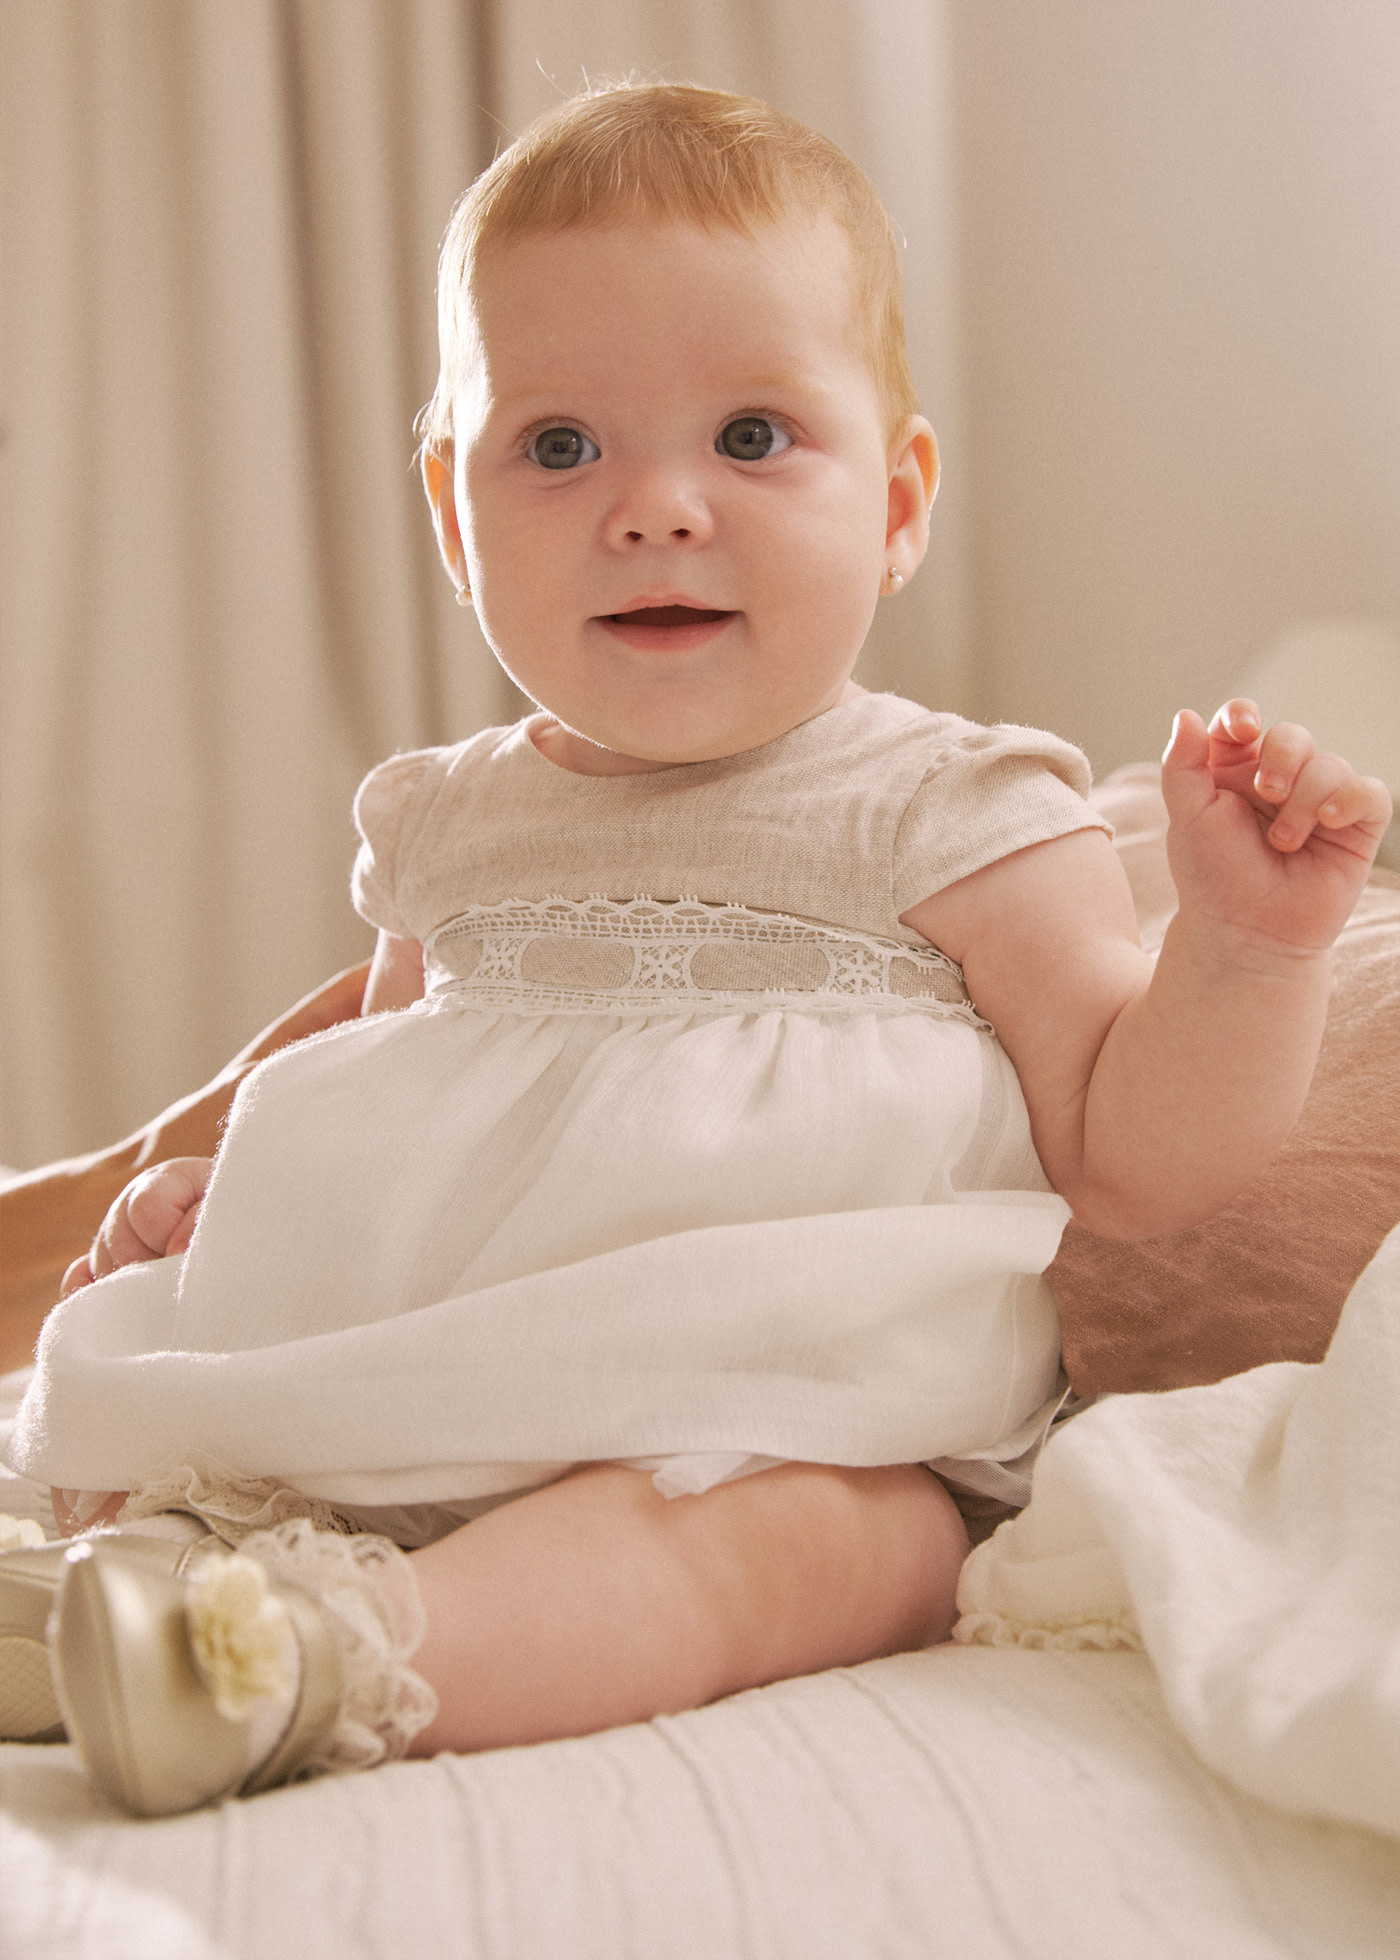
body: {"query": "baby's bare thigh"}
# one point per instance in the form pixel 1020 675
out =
pixel 820 1566
pixel 794 1569
pixel 595 1601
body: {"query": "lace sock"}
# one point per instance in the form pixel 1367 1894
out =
pixel 368 1591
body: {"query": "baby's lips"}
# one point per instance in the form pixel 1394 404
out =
pixel 669 615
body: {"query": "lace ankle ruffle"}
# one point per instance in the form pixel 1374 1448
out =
pixel 230 1503
pixel 1116 1631
pixel 363 1583
pixel 369 1593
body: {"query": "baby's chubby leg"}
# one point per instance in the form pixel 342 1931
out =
pixel 596 1601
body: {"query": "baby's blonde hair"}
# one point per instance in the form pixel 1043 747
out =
pixel 674 152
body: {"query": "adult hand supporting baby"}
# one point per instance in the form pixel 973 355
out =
pixel 49 1216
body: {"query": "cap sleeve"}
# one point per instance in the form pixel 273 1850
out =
pixel 387 805
pixel 990 792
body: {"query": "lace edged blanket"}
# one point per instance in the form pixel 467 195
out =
pixel 1247 1535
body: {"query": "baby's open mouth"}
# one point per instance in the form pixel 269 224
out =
pixel 670 630
pixel 667 616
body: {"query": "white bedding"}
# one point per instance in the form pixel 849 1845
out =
pixel 1249 1536
pixel 970 1802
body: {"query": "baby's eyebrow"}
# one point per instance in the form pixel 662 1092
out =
pixel 752 385
pixel 781 381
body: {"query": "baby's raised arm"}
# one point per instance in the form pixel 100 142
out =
pixel 1156 1096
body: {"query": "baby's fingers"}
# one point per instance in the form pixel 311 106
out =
pixel 149 1219
pixel 117 1243
pixel 1187 785
pixel 163 1205
pixel 1235 732
pixel 179 1240
pixel 1285 752
pixel 78 1275
pixel 1363 801
pixel 1327 794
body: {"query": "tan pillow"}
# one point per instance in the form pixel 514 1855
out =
pixel 1265 1280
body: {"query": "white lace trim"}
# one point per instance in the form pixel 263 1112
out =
pixel 369 1593
pixel 1114 1631
pixel 230 1502
pixel 601 955
pixel 362 1581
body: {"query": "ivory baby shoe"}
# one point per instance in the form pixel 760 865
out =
pixel 178 1691
pixel 29 1576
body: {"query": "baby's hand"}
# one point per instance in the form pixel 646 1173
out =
pixel 154 1216
pixel 1267 836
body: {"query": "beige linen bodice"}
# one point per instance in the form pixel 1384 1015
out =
pixel 848 820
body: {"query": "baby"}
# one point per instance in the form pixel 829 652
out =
pixel 761 1033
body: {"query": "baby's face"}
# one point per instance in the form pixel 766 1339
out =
pixel 673 486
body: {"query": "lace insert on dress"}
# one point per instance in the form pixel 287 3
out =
pixel 644 955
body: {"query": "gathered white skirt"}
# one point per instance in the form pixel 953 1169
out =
pixel 446 1254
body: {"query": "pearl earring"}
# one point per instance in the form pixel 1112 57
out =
pixel 464 595
pixel 896 579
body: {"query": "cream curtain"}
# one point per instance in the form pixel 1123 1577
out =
pixel 219 597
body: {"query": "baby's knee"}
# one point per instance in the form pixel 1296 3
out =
pixel 927 1546
pixel 900 1546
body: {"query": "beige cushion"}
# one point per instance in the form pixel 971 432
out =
pixel 1265 1280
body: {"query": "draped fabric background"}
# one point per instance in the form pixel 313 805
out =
pixel 1153 273
pixel 221 599
pixel 220 602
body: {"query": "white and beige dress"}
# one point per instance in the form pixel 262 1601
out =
pixel 691 1155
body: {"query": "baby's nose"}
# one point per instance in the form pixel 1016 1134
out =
pixel 660 507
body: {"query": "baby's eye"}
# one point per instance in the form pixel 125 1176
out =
pixel 562 449
pixel 752 437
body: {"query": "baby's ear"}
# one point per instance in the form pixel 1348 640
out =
pixel 442 498
pixel 913 487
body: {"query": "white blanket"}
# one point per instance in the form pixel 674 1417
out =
pixel 1248 1537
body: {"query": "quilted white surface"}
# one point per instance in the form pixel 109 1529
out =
pixel 968 1803
pixel 961 1804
